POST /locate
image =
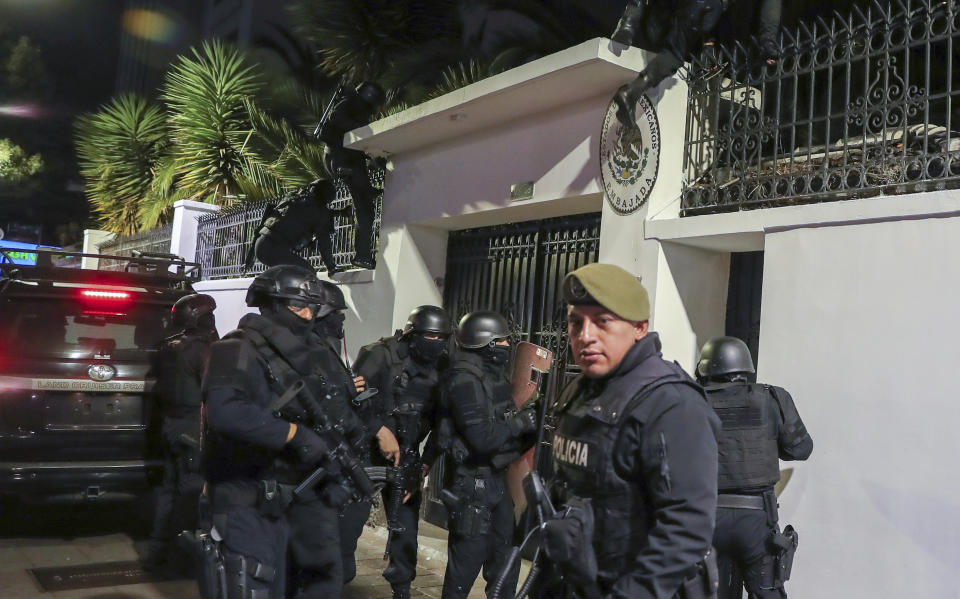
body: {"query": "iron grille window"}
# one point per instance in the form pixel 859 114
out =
pixel 224 238
pixel 856 106
pixel 153 240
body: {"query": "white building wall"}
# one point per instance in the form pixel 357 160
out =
pixel 860 324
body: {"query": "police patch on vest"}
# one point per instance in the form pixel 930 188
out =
pixel 630 158
pixel 570 452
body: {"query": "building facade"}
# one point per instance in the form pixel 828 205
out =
pixel 494 191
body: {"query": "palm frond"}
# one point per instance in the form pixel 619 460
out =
pixel 118 149
pixel 292 154
pixel 205 95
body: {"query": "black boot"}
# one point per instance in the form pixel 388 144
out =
pixel 367 263
pixel 401 591
pixel 626 31
pixel 627 97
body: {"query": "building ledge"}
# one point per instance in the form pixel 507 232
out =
pixel 744 231
pixel 590 69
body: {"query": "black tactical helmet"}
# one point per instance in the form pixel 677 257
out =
pixel 478 329
pixel 428 319
pixel 371 94
pixel 722 356
pixel 333 299
pixel 188 310
pixel 297 285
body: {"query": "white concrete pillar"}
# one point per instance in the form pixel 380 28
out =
pixel 92 240
pixel 687 287
pixel 183 237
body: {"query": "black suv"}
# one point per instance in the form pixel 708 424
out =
pixel 77 347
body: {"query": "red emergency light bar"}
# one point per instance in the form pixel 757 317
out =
pixel 98 294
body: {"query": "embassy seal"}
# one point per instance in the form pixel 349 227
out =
pixel 630 158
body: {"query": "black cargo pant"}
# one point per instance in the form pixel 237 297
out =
pixel 351 165
pixel 316 570
pixel 403 547
pixel 481 535
pixel 271 250
pixel 178 500
pixel 742 539
pixel 254 545
pixel 352 520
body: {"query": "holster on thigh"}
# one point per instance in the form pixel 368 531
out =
pixel 248 578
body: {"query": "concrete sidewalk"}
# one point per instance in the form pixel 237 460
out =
pixel 431 563
pixel 21 552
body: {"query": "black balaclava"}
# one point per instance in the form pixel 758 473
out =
pixel 206 327
pixel 281 314
pixel 330 325
pixel 427 351
pixel 497 355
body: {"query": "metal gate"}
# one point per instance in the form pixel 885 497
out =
pixel 517 270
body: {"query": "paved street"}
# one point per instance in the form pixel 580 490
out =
pixel 66 536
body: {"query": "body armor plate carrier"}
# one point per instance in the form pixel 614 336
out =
pixel 583 450
pixel 748 443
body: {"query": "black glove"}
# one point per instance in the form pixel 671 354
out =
pixel 308 446
pixel 524 421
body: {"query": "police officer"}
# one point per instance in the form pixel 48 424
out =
pixel 405 368
pixel 673 29
pixel 760 424
pixel 354 109
pixel 254 457
pixel 298 218
pixel 635 453
pixel 488 433
pixel 180 364
pixel 316 527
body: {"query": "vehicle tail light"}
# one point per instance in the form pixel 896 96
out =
pixel 105 295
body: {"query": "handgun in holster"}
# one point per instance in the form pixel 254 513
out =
pixel 208 563
pixel 785 547
pixel 704 581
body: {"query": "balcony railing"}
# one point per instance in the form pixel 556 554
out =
pixel 153 240
pixel 224 238
pixel 857 105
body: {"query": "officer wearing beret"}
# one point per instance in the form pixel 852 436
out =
pixel 635 450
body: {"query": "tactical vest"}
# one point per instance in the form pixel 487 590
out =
pixel 413 385
pixel 583 449
pixel 499 400
pixel 280 374
pixel 748 443
pixel 169 383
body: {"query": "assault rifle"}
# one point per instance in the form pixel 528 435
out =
pixel 341 453
pixel 404 478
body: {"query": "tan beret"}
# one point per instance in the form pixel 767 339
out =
pixel 609 286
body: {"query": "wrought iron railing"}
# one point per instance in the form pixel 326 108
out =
pixel 152 240
pixel 856 105
pixel 225 238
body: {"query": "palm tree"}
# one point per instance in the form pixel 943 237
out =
pixel 119 149
pixel 415 48
pixel 206 96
